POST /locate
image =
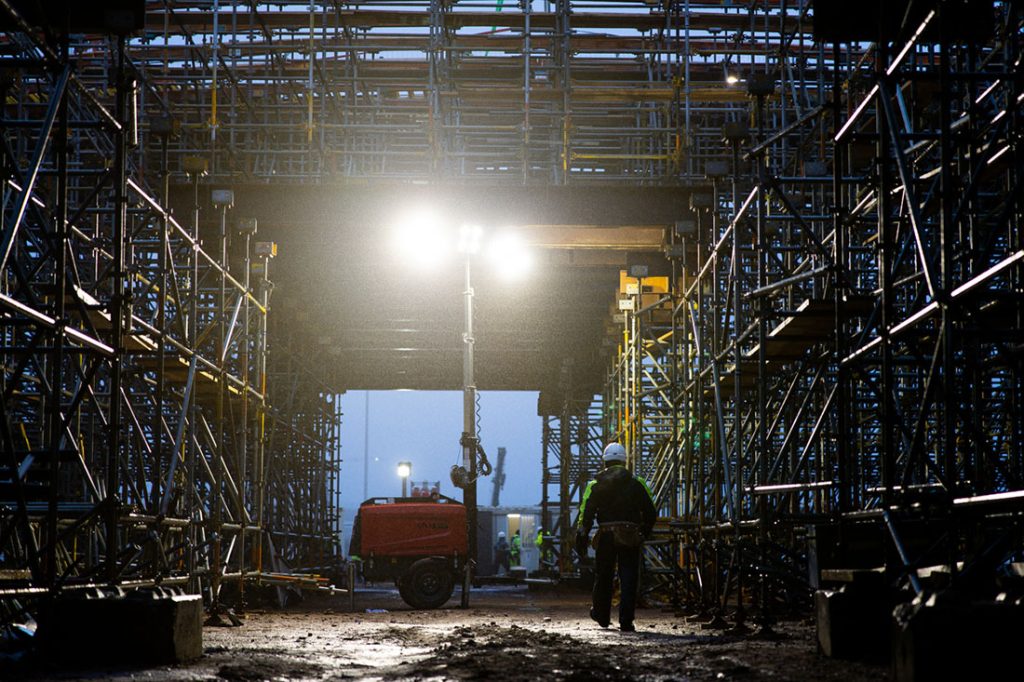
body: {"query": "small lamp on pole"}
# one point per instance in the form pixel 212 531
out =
pixel 404 471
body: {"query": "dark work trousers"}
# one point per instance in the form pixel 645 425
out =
pixel 628 560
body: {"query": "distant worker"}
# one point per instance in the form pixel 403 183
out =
pixel 624 509
pixel 545 548
pixel 501 553
pixel 515 549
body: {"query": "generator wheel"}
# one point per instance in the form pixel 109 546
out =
pixel 427 585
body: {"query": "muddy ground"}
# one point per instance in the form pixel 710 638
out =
pixel 508 633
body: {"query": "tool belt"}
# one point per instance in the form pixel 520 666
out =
pixel 625 533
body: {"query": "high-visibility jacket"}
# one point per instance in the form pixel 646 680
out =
pixel 616 495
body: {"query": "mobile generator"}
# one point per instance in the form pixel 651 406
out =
pixel 418 542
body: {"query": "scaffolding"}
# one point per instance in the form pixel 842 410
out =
pixel 538 92
pixel 844 334
pixel 572 441
pixel 832 342
pixel 139 446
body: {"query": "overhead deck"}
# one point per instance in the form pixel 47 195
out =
pixel 378 323
pixel 566 118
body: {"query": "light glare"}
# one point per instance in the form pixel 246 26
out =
pixel 509 255
pixel 421 239
pixel 404 469
pixel 469 238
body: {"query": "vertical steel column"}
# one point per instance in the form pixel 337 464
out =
pixel 163 279
pixel 527 6
pixel 259 463
pixel 545 497
pixel 118 304
pixel 189 408
pixel 947 238
pixel 761 437
pixel 839 210
pixel 469 438
pixel 219 452
pixel 885 256
pixel 55 415
pixel 565 475
pixel 563 37
pixel 243 433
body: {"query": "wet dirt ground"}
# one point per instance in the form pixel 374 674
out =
pixel 508 633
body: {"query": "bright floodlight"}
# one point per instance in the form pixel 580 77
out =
pixel 404 469
pixel 509 255
pixel 421 239
pixel 732 76
pixel 469 238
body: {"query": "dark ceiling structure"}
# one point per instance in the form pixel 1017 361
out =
pixel 326 120
pixel 376 322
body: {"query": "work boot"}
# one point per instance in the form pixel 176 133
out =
pixel 627 627
pixel 593 617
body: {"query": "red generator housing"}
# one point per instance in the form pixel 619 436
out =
pixel 420 543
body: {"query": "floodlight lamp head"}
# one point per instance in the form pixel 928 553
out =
pixel 222 198
pixel 404 469
pixel 195 166
pixel 266 249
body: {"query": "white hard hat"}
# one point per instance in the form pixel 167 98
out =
pixel 614 452
pixel 501 534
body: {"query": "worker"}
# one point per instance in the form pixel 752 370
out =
pixel 624 509
pixel 515 549
pixel 544 544
pixel 501 553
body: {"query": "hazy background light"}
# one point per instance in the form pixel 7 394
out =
pixel 421 239
pixel 469 238
pixel 732 75
pixel 509 255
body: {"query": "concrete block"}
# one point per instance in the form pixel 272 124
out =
pixel 152 626
pixel 946 636
pixel 853 622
